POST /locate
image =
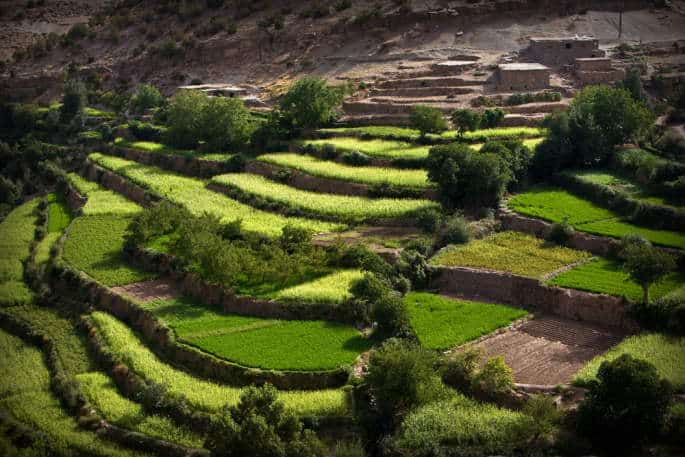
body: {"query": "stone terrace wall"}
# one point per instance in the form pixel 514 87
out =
pixel 119 184
pixel 186 165
pixel 518 290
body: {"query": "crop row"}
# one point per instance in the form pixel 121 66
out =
pixel 331 288
pixel 341 207
pixel 513 252
pixel 16 236
pixel 334 170
pixel 556 205
pixel 100 200
pixel 192 194
pixel 160 148
pixel 408 134
pixel 203 394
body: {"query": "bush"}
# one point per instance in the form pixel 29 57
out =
pixel 429 220
pixel 455 230
pixel 672 145
pixel 626 406
pixel 467 178
pixel 341 5
pixel 413 265
pixel 465 120
pixel 9 191
pixel 73 100
pixel 391 317
pixel 492 118
pixel 311 103
pixel 667 314
pixel 530 97
pixel 516 156
pixel 496 377
pixel 561 233
pixel 146 97
pixel 426 120
pixel 145 131
pixel 355 158
pixel 369 289
pixel 646 265
pixel 461 368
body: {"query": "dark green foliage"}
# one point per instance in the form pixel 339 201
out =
pixel 455 230
pixel 9 191
pixel 426 120
pixel 460 369
pixel 370 289
pixel 260 426
pixel 413 265
pixel 529 97
pixel 465 120
pixel 311 103
pixel 467 178
pixel 295 239
pixel 391 317
pixel 647 265
pixel 429 220
pixel 666 314
pixel 356 158
pixel 73 100
pixel 633 84
pixel 491 118
pixel 672 145
pixel 494 378
pixel 561 233
pixel 626 406
pixel 146 97
pixel 145 131
pixel 341 5
pixel 517 157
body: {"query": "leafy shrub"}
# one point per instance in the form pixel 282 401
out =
pixel 516 156
pixel 369 288
pixel 145 131
pixel 455 230
pixel 168 49
pixel 426 120
pixel 429 220
pixel 467 178
pixel 73 100
pixel 666 314
pixel 646 265
pixel 460 369
pixel 413 265
pixel 341 5
pixel 465 120
pixel 626 406
pixel 561 233
pixel 391 317
pixel 531 97
pixel 146 97
pixel 310 103
pixel 492 118
pixel 496 377
pixel 356 158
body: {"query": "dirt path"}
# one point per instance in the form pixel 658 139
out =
pixel 549 350
pixel 157 289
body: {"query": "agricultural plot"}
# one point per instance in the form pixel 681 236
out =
pixel 59 218
pixel 192 194
pixel 443 323
pixel 160 148
pixel 94 245
pixel 608 277
pixel 16 235
pixel 622 184
pixel 201 393
pixel 665 352
pixel 100 200
pixel 556 205
pixel 386 149
pixel 513 252
pixel 408 134
pixel 334 170
pixel 262 343
pixel 25 392
pixel 341 207
pixel 331 288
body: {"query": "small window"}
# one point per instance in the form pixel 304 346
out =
pixel 511 87
pixel 568 45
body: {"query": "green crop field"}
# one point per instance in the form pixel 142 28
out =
pixel 94 245
pixel 332 288
pixel 444 323
pixel 411 134
pixel 103 395
pixel 26 394
pixel 151 146
pixel 619 183
pixel 59 218
pixel 193 195
pixel 101 200
pixel 334 170
pixel 262 343
pixel 608 277
pixel 665 352
pixel 201 393
pixel 555 205
pixel 342 207
pixel 514 252
pixel 16 235
pixel 386 149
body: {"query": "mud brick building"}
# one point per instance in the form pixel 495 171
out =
pixel 597 70
pixel 522 76
pixel 563 51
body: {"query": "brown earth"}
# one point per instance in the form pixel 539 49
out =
pixel 147 291
pixel 549 350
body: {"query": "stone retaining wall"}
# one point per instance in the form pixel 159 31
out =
pixel 118 184
pixel 183 164
pixel 511 289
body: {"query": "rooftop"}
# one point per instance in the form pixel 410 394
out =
pixel 562 39
pixel 214 86
pixel 521 66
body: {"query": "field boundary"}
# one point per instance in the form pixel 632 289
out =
pixel 401 163
pixel 516 290
pixel 119 184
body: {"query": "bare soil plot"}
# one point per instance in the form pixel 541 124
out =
pixel 549 350
pixel 147 291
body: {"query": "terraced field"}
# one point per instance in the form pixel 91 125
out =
pixel 100 200
pixel 331 288
pixel 16 235
pixel 556 205
pixel 160 148
pixel 334 170
pixel 201 393
pixel 341 207
pixel 513 252
pixel 192 194
pixel 59 218
pixel 408 134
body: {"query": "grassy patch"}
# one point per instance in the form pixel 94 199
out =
pixel 151 146
pixel 334 170
pixel 411 134
pixel 59 215
pixel 332 288
pixel 262 343
pixel 608 277
pixel 193 195
pixel 386 149
pixel 103 394
pixel 443 323
pixel 16 234
pixel 201 393
pixel 665 352
pixel 342 207
pixel 25 393
pixel 554 205
pixel 514 252
pixel 94 245
pixel 101 200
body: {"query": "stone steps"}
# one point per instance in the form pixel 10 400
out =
pixel 440 100
pixel 428 81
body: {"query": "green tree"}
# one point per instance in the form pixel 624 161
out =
pixel 73 100
pixel 311 103
pixel 147 96
pixel 467 178
pixel 184 117
pixel 426 120
pixel 646 265
pixel 260 426
pixel 225 124
pixel 625 406
pixel 465 120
